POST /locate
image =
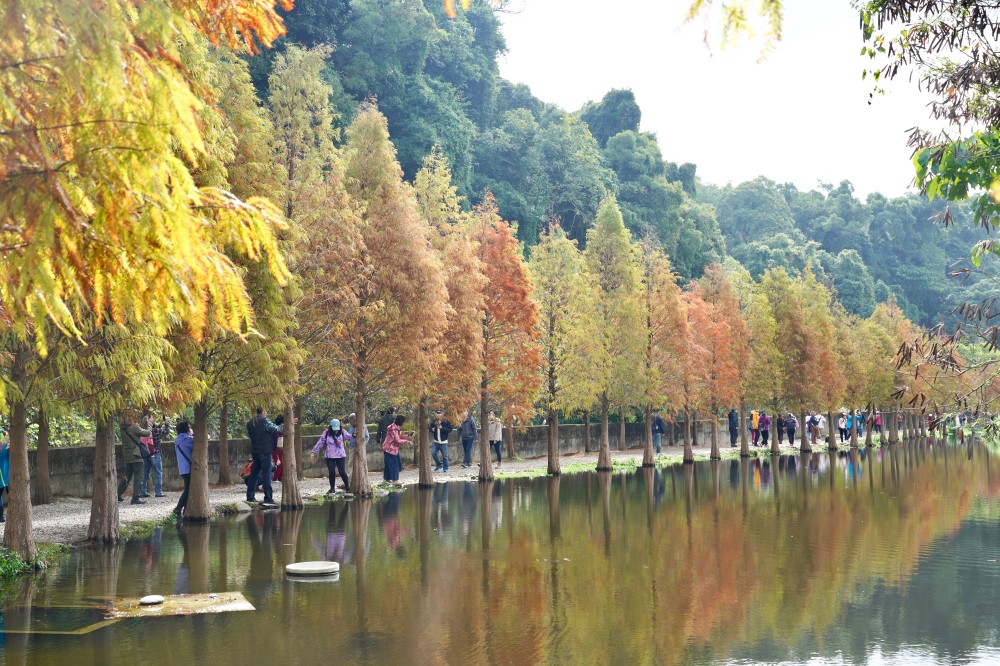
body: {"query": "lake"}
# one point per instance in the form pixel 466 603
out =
pixel 887 556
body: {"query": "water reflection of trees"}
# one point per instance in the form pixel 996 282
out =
pixel 818 553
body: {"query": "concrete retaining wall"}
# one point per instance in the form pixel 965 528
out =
pixel 71 469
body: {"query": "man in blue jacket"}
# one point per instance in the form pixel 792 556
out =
pixel 260 430
pixel 659 427
pixel 467 431
pixel 734 427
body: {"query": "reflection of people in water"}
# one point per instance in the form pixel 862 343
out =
pixel 467 508
pixel 336 535
pixel 394 532
pixel 441 518
pixel 765 474
pixel 734 473
pixel 260 528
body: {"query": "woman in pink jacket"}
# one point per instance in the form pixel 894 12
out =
pixel 390 449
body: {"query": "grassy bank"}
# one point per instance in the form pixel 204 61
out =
pixel 13 567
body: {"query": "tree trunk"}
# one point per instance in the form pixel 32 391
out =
pixel 648 458
pixel 715 455
pixel 604 454
pixel 18 535
pixel 688 449
pixel 554 467
pixel 485 459
pixel 831 445
pixel 361 485
pixel 869 426
pixel 621 429
pixel 586 431
pixel 508 434
pixel 804 443
pixel 744 440
pixel 42 492
pixel 225 478
pixel 291 498
pixel 300 469
pixel 923 426
pixel 775 446
pixel 426 475
pixel 104 525
pixel 693 429
pixel 199 508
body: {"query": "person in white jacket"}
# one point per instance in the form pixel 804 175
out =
pixel 494 433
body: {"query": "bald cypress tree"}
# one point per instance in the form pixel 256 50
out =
pixel 614 262
pixel 391 323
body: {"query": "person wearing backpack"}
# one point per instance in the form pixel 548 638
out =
pixel 331 442
pixel 791 425
pixel 134 452
pixel 154 463
pixel 764 425
pixel 184 448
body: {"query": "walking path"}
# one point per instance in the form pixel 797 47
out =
pixel 66 520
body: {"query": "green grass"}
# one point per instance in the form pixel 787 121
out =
pixel 13 567
pixel 145 528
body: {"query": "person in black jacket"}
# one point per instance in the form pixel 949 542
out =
pixel 659 427
pixel 440 429
pixel 734 427
pixel 261 432
pixel 388 416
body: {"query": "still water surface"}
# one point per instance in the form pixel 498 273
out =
pixel 883 558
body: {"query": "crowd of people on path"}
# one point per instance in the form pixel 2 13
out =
pixel 760 425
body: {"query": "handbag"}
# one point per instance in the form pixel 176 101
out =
pixel 245 472
pixel 148 443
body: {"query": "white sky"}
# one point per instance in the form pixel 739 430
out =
pixel 801 115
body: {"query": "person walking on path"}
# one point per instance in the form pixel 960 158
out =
pixel 791 425
pixel 734 427
pixel 334 453
pixel 154 463
pixel 184 448
pixel 260 430
pixel 764 423
pixel 4 469
pixel 467 431
pixel 394 439
pixel 843 425
pixel 388 416
pixel 440 429
pixel 779 428
pixel 754 426
pixel 494 433
pixel 134 453
pixel 659 427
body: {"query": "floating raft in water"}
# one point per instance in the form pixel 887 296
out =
pixel 181 604
pixel 317 568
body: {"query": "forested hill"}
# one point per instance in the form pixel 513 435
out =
pixel 436 79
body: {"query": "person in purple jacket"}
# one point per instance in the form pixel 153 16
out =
pixel 331 442
pixel 184 448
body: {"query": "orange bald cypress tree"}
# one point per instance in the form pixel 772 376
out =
pixel 454 381
pixel 729 345
pixel 391 323
pixel 511 354
pixel 693 362
pixel 714 333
